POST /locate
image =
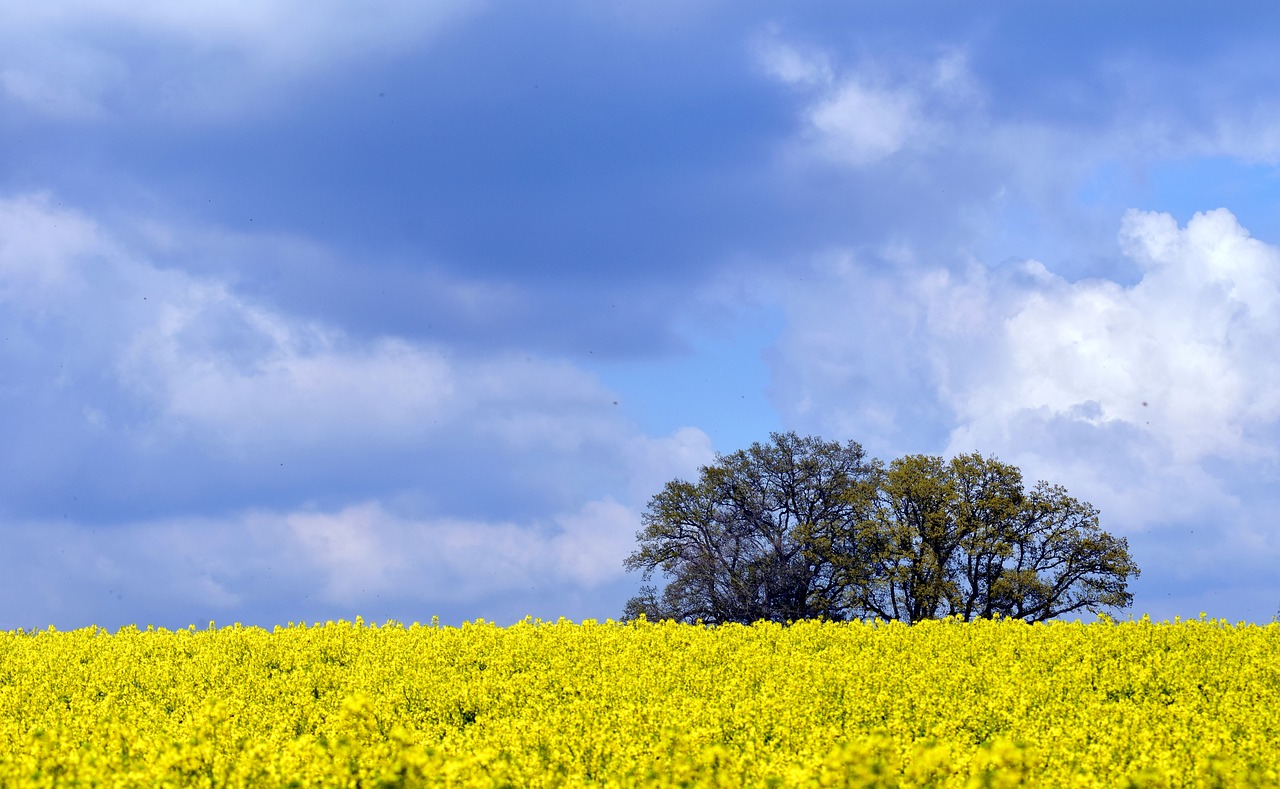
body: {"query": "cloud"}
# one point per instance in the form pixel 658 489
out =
pixel 1156 400
pixel 865 350
pixel 1215 104
pixel 364 550
pixel 962 153
pixel 279 31
pixel 166 375
pixel 242 374
pixel 794 65
pixel 861 124
pixel 862 116
pixel 201 362
pixel 245 376
pixel 84 59
pixel 40 248
pixel 657 461
pixel 48 94
pixel 361 556
pixel 1183 356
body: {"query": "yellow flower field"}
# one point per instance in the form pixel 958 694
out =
pixel 559 704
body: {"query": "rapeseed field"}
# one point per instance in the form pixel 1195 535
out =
pixel 642 704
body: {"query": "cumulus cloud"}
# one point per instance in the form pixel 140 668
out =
pixel 960 154
pixel 1180 358
pixel 1156 400
pixel 1184 355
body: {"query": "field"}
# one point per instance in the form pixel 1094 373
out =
pixel 560 704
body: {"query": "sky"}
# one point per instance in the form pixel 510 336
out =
pixel 311 310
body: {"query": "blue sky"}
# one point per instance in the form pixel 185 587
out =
pixel 308 311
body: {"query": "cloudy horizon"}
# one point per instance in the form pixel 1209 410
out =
pixel 307 313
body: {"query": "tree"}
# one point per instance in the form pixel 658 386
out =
pixel 765 533
pixel 965 539
pixel 802 529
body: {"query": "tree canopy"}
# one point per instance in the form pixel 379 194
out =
pixel 763 534
pixel 800 528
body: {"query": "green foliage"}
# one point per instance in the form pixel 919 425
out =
pixel 804 529
pixel 763 534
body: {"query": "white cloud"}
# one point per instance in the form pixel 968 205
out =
pixel 349 557
pixel 78 58
pixel 40 247
pixel 860 124
pixel 1158 401
pixel 364 550
pixel 1184 356
pixel 216 372
pixel 237 373
pixel 281 31
pixel 240 374
pixel 976 163
pixel 245 376
pixel 657 461
pixel 593 541
pixel 862 116
pixel 794 65
pixel 867 346
pixel 50 95
pixel 1216 104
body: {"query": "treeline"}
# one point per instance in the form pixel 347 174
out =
pixel 800 528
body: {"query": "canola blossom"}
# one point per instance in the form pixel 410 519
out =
pixel 812 704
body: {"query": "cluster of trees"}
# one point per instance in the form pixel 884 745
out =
pixel 801 528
